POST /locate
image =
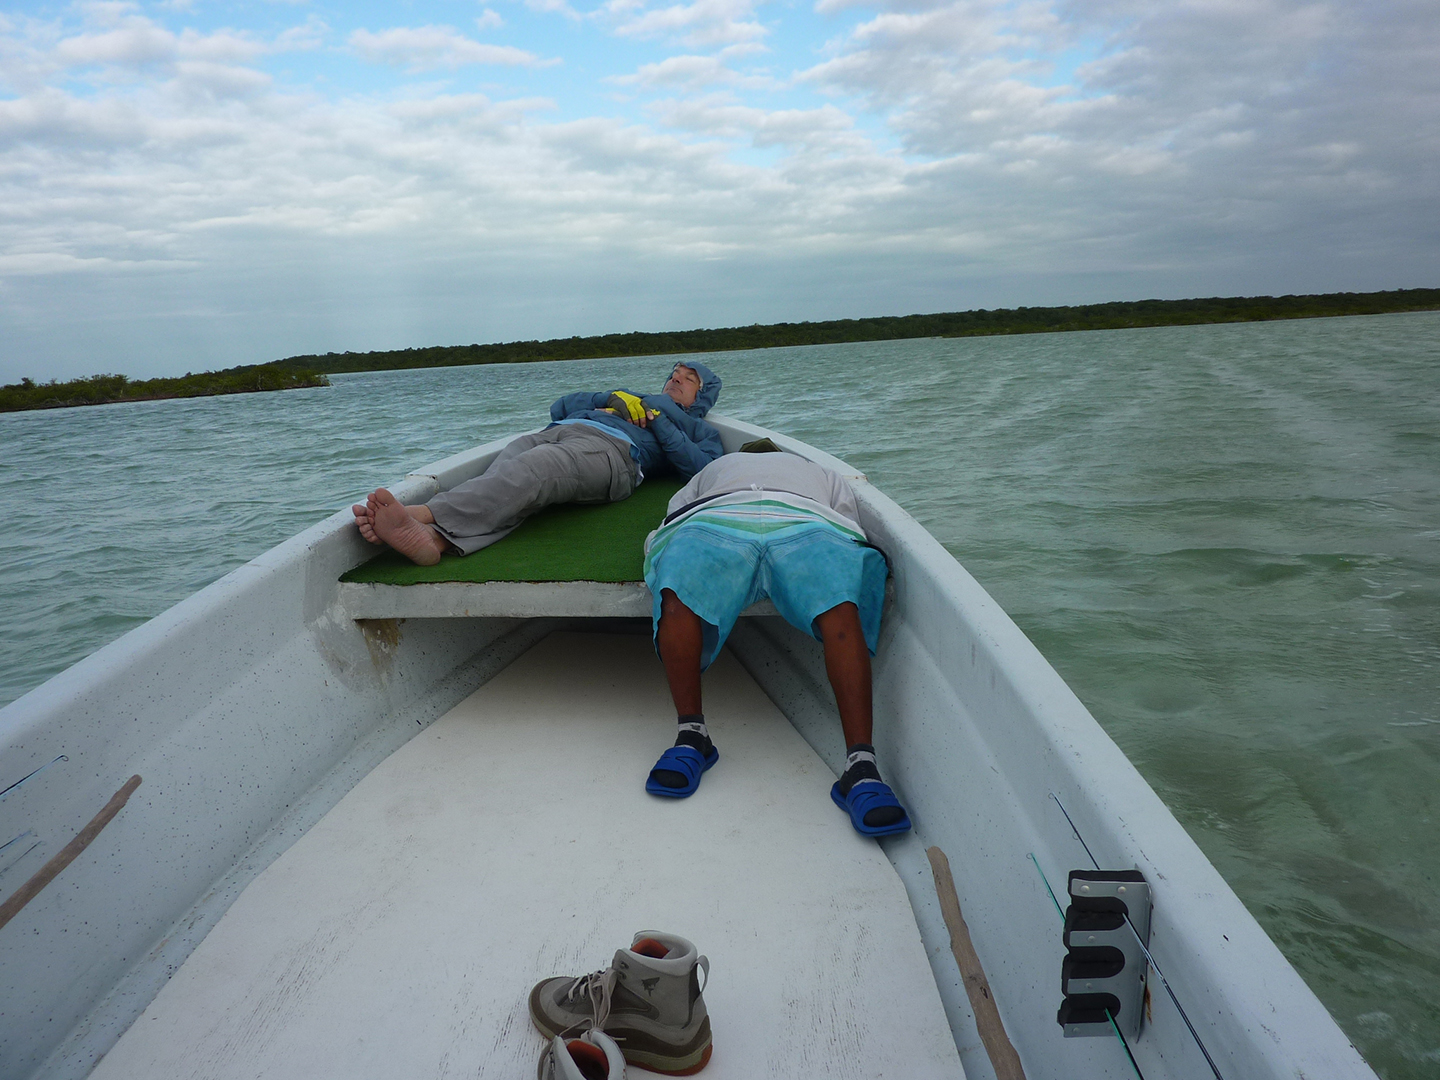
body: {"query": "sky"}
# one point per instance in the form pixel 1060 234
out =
pixel 188 185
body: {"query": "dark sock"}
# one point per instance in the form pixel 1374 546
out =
pixel 861 766
pixel 692 733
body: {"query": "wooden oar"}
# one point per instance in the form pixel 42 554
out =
pixel 987 1016
pixel 66 855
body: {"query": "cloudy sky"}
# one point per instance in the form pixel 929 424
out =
pixel 191 184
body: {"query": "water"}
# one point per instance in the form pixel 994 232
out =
pixel 1223 537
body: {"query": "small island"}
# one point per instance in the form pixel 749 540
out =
pixel 104 389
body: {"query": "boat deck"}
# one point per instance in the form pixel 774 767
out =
pixel 569 542
pixel 566 561
pixel 512 840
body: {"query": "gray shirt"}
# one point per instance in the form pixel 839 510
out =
pixel 769 472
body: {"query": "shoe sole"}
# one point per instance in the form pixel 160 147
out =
pixel 671 1066
pixel 686 1063
pixel 904 825
pixel 654 787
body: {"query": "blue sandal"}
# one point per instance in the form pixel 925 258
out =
pixel 864 797
pixel 689 763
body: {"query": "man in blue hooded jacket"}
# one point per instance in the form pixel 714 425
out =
pixel 598 448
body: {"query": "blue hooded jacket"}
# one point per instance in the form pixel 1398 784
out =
pixel 678 439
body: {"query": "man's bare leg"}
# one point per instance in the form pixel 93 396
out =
pixel 393 523
pixel 847 663
pixel 680 637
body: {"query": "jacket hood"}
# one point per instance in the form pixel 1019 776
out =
pixel 709 387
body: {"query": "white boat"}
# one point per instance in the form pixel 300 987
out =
pixel 369 817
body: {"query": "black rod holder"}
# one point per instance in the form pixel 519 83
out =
pixel 1107 929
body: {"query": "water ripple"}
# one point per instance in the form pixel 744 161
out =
pixel 1224 538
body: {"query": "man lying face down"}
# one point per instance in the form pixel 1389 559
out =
pixel 598 448
pixel 757 525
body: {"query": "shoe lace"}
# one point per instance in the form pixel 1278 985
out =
pixel 598 986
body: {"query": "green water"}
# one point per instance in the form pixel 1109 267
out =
pixel 1226 539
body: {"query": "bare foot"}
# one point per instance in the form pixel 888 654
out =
pixel 420 512
pixel 365 517
pixel 365 522
pixel 395 526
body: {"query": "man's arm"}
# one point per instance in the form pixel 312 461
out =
pixel 578 402
pixel 688 444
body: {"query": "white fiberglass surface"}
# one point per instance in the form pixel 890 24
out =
pixel 512 840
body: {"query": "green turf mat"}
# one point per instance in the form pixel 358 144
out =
pixel 562 543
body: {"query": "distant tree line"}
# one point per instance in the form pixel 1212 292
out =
pixel 1038 320
pixel 102 389
pixel 299 371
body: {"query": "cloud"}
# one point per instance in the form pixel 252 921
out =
pixel 106 11
pixel 119 45
pixel 489 20
pixel 1118 143
pixel 221 80
pixel 828 128
pixel 948 76
pixel 704 23
pixel 693 73
pixel 30 264
pixel 308 35
pixel 140 42
pixel 1027 131
pixel 1216 112
pixel 559 7
pixel 424 47
pixel 67 125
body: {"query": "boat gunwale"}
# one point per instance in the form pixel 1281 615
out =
pixel 1120 813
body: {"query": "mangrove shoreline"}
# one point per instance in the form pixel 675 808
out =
pixel 308 370
pixel 106 389
pixel 1109 316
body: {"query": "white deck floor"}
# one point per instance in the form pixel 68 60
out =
pixel 512 840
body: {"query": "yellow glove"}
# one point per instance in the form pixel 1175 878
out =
pixel 629 407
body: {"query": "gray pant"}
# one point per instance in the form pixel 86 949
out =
pixel 569 463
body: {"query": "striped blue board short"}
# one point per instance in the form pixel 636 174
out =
pixel 719 564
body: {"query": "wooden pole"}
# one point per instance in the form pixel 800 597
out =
pixel 987 1017
pixel 66 855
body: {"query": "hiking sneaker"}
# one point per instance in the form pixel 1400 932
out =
pixel 648 1000
pixel 593 1056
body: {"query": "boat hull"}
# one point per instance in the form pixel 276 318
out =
pixel 251 708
